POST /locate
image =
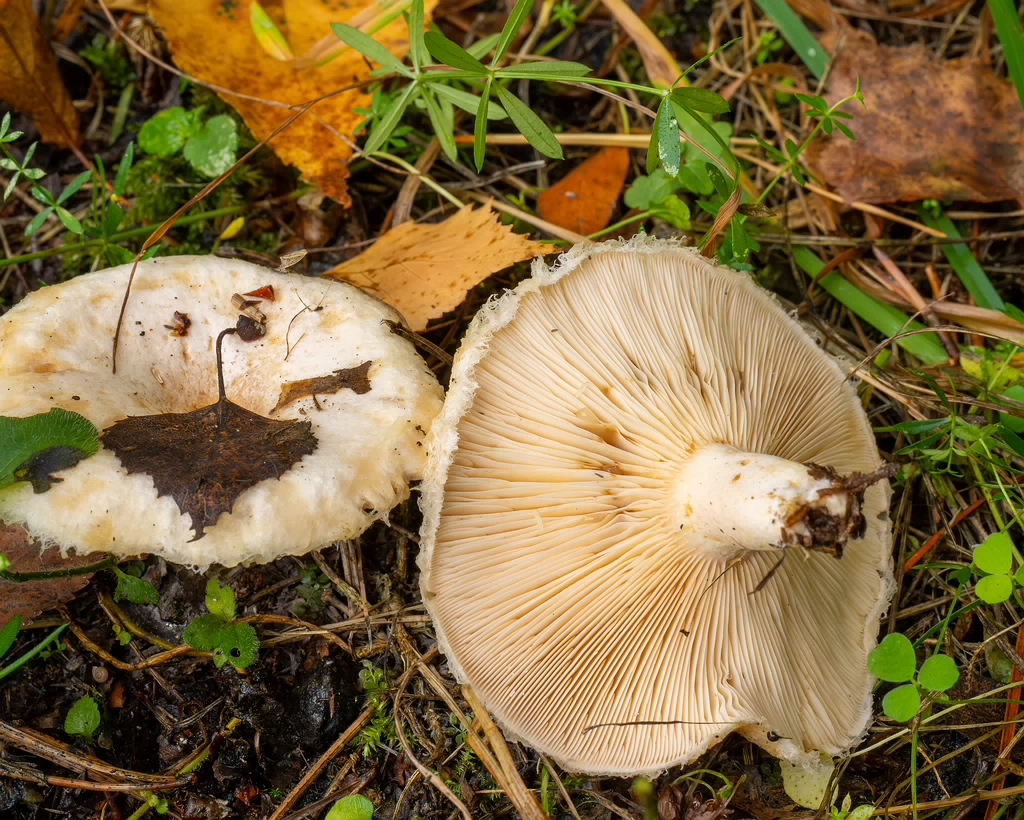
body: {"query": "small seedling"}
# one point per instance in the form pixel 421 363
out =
pixel 895 661
pixel 353 807
pixel 845 812
pixel 994 556
pixel 655 194
pixel 83 719
pixel 381 729
pixel 209 146
pixel 230 642
pixel 134 589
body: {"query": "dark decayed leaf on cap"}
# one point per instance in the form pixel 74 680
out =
pixel 353 378
pixel 29 598
pixel 206 458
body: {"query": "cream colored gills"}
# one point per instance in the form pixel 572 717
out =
pixel 607 427
pixel 55 350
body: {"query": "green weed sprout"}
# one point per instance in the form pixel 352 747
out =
pixel 83 719
pixel 994 557
pixel 352 807
pixel 230 642
pixel 895 661
pixel 381 729
pixel 846 812
pixel 209 146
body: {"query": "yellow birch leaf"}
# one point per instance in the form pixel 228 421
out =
pixel 424 271
pixel 214 41
pixel 29 80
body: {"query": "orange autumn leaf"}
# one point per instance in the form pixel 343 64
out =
pixel 584 200
pixel 426 270
pixel 932 129
pixel 214 41
pixel 29 80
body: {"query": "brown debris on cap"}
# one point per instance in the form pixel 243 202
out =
pixel 620 465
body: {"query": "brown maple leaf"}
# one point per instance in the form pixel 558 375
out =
pixel 206 458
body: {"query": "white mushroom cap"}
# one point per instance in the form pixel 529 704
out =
pixel 620 462
pixel 55 351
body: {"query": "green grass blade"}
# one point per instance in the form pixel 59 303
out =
pixel 971 274
pixel 1004 15
pixel 797 35
pixel 882 317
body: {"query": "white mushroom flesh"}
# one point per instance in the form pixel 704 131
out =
pixel 55 351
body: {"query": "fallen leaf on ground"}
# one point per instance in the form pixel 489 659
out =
pixel 661 67
pixel 206 458
pixel 29 598
pixel 933 129
pixel 584 200
pixel 29 79
pixel 352 378
pixel 423 271
pixel 214 41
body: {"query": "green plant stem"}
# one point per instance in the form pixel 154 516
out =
pixel 640 217
pixel 35 650
pixel 46 574
pixel 121 236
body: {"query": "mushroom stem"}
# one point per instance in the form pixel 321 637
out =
pixel 730 501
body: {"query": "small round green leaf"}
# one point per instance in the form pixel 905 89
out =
pixel 165 133
pixel 211 149
pixel 83 718
pixel 893 659
pixel 994 554
pixel 353 807
pixel 902 703
pixel 994 589
pixel 938 673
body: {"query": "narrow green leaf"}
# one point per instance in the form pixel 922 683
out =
pixel 669 151
pixel 37 221
pixel 797 35
pixel 445 51
pixel 511 29
pixel 9 633
pixel 529 124
pixel 417 46
pixel 1008 28
pixel 267 34
pixel 125 166
pixel 469 103
pixel 68 219
pixel 701 99
pixel 814 103
pixel 386 124
pixel 74 187
pixel 971 274
pixel 544 70
pixel 654 143
pixel 440 126
pixel 480 129
pixel 884 318
pixel 481 48
pixel 368 47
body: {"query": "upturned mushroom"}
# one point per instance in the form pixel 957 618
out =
pixel 313 430
pixel 652 517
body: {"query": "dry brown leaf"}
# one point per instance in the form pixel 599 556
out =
pixel 584 200
pixel 29 79
pixel 29 598
pixel 424 271
pixel 933 129
pixel 661 67
pixel 213 40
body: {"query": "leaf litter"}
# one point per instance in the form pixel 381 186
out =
pixel 204 459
